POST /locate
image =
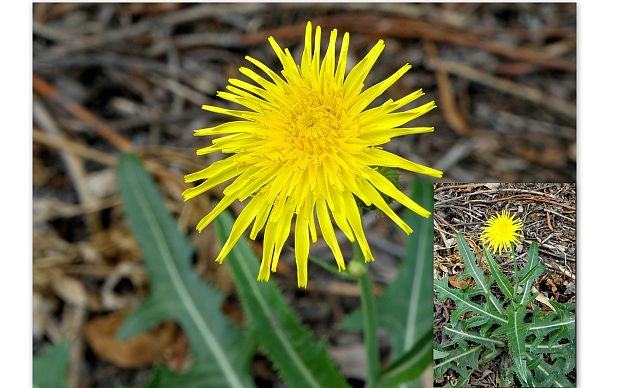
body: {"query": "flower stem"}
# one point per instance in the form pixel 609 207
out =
pixel 369 314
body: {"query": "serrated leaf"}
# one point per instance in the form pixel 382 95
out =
pixel 301 360
pixel 491 354
pixel 551 335
pixel 500 278
pixel 438 354
pixel 546 375
pixel 533 262
pixel 552 325
pixel 405 309
pixel 532 274
pixel 461 334
pixel 553 329
pixel 461 298
pixel 410 365
pixel 176 291
pixel 202 374
pixel 549 348
pixel 472 269
pixel 516 331
pixel 49 369
pixel 557 325
pixel 462 360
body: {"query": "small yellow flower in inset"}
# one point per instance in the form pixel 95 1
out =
pixel 501 231
pixel 306 147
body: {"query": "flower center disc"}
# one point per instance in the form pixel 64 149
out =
pixel 313 125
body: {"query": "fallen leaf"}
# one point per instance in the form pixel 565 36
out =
pixel 69 289
pixel 542 299
pixel 461 283
pixel 141 350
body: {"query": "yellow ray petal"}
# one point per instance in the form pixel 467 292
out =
pixel 306 56
pixel 274 77
pixel 243 114
pixel 241 224
pixel 254 104
pixel 329 62
pixel 289 71
pixel 407 99
pixel 327 230
pixel 336 206
pixel 211 183
pixel 282 232
pixel 377 157
pixel 316 57
pixel 227 128
pixel 268 86
pixel 219 208
pixel 393 120
pixel 263 212
pixel 302 247
pixel 354 219
pixel 385 186
pixel 370 94
pixel 380 203
pixel 311 221
pixel 342 59
pixel 214 169
pixel 354 82
pixel 268 245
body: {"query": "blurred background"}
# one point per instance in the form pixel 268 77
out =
pixel 132 77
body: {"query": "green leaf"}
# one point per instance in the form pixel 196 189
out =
pixel 463 360
pixel 411 364
pixel 300 359
pixel 202 374
pixel 490 356
pixel 529 271
pixel 405 309
pixel 548 348
pixel 542 350
pixel 532 274
pixel 500 278
pixel 461 334
pixel 547 375
pixel 552 325
pixel 554 334
pixel 176 291
pixel 472 269
pixel 462 299
pixel 438 354
pixel 49 369
pixel 516 331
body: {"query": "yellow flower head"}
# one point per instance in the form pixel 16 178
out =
pixel 306 146
pixel 501 231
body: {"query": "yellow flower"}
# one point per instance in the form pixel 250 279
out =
pixel 306 146
pixel 501 231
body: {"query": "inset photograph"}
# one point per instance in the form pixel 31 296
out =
pixel 505 285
